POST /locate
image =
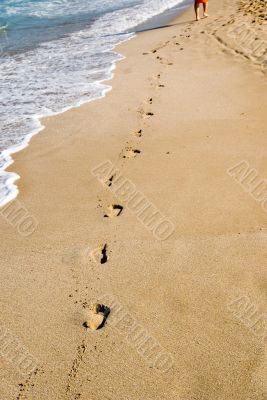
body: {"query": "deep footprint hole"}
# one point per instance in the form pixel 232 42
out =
pixel 104 257
pixel 115 207
pixel 109 183
pixel 133 151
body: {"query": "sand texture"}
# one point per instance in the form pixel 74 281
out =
pixel 144 214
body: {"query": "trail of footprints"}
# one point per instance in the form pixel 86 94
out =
pixel 101 254
pixel 160 58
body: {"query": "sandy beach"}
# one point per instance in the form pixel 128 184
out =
pixel 153 202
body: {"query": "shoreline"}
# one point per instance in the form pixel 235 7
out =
pixel 10 178
pixel 167 141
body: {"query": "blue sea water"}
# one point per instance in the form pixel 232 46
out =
pixel 55 55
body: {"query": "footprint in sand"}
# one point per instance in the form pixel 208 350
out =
pixel 138 133
pixel 113 210
pixel 131 153
pixel 100 254
pixel 159 85
pixel 163 61
pixel 108 181
pixel 96 316
pixel 154 81
pixel 145 114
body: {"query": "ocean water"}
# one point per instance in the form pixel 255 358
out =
pixel 54 55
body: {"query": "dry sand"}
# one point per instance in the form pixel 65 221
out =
pixel 187 311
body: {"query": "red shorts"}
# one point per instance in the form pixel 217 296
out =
pixel 201 1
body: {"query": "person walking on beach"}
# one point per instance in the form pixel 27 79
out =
pixel 205 8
